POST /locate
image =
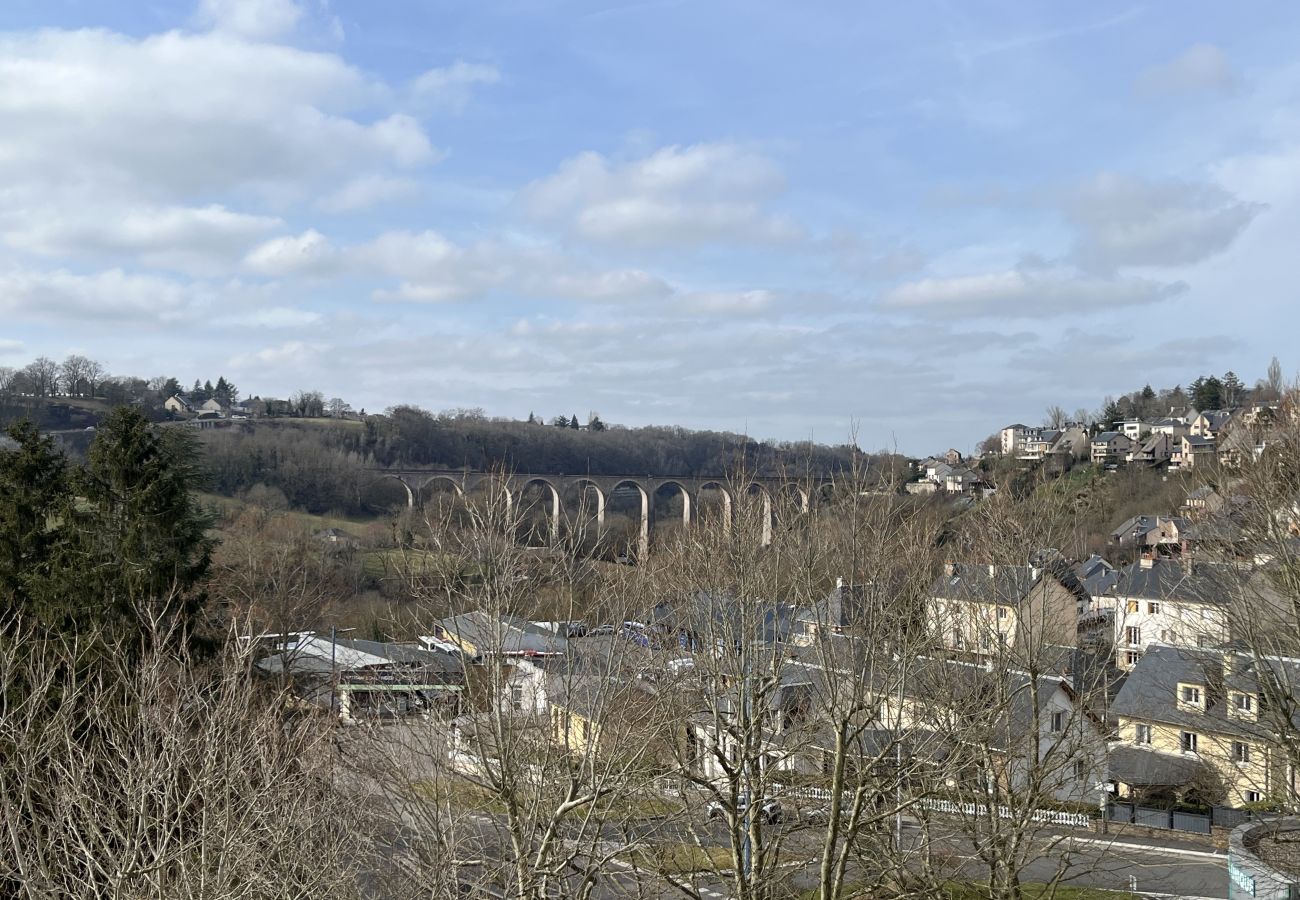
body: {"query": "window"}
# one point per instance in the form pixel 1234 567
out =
pixel 1243 702
pixel 517 697
pixel 1188 742
pixel 1142 734
pixel 1153 607
pixel 1167 635
pixel 1191 695
pixel 1240 752
pixel 1203 641
pixel 956 637
pixel 1080 770
pixel 1058 722
pixel 1133 636
pixel 1133 606
pixel 1002 612
pixel 1131 658
pixel 1251 796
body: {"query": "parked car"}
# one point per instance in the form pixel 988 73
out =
pixel 769 810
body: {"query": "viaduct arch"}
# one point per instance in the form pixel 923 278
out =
pixel 602 488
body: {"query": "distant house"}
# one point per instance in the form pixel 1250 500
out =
pixel 1013 438
pixel 212 404
pixel 1173 426
pixel 1160 535
pixel 1110 448
pixel 1194 450
pixel 367 679
pixel 1133 429
pixel 480 636
pixel 987 609
pixel 1210 422
pixel 962 481
pixel 1156 450
pixel 177 404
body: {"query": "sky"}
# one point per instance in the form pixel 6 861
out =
pixel 906 223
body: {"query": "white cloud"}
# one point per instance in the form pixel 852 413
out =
pixel 68 298
pixel 1124 221
pixel 309 253
pixel 450 87
pixel 367 191
pixel 202 240
pixel 256 19
pixel 1025 292
pixel 677 195
pixel 191 114
pixel 728 303
pixel 431 268
pixel 1202 68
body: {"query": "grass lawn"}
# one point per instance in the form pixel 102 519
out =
pixel 353 526
pixel 1036 891
pixel 966 891
pixel 681 859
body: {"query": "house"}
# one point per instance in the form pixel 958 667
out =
pixel 1096 576
pixel 1172 426
pixel 837 613
pixel 1038 443
pixel 177 405
pixel 1194 450
pixel 1072 441
pixel 1156 450
pixel 480 635
pixel 1020 717
pixel 367 679
pixel 1013 438
pixel 1191 718
pixel 1171 601
pixel 1210 422
pixel 212 405
pixel 1133 429
pixel 977 609
pixel 1160 535
pixel 1110 448
pixel 962 481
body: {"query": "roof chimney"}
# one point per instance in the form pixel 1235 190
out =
pixel 1147 561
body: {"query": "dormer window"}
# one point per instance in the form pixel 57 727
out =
pixel 1002 612
pixel 1191 696
pixel 1243 705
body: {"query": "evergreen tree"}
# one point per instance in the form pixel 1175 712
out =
pixel 594 423
pixel 144 538
pixel 196 393
pixel 1233 390
pixel 171 387
pixel 574 424
pixel 1207 393
pixel 532 419
pixel 34 500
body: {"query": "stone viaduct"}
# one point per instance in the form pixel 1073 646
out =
pixel 600 488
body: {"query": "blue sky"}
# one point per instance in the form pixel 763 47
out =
pixel 927 219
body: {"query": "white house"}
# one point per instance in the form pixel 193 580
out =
pixel 1170 601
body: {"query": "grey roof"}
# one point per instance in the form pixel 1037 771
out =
pixel 1150 693
pixel 505 634
pixel 1149 768
pixel 1197 440
pixel 1095 575
pixel 985 584
pixel 406 654
pixel 1170 579
pixel 1107 437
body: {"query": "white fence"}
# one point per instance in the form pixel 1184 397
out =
pixel 1057 817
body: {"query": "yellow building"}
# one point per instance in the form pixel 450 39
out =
pixel 1193 724
pixel 986 610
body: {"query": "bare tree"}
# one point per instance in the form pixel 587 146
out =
pixel 43 375
pixel 167 779
pixel 1054 417
pixel 7 376
pixel 338 407
pixel 74 374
